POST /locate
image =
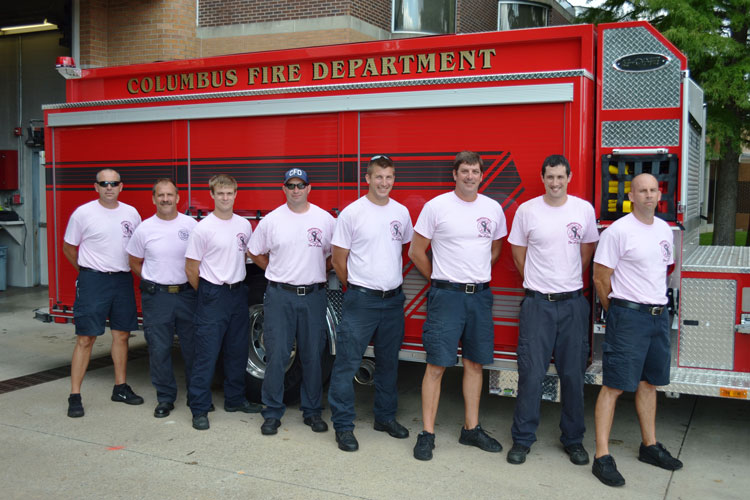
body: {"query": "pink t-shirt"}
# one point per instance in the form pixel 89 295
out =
pixel 374 236
pixel 462 234
pixel 101 235
pixel 639 253
pixel 297 244
pixel 220 246
pixel 162 245
pixel 552 237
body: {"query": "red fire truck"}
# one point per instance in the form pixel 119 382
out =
pixel 616 99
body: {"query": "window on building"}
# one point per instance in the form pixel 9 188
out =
pixel 515 15
pixel 424 16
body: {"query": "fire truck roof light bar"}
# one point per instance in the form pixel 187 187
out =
pixel 477 96
pixel 640 151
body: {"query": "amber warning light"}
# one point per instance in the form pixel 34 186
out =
pixel 66 66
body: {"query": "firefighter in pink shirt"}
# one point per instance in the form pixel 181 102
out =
pixel 465 229
pixel 157 256
pixel 630 274
pixel 94 244
pixel 293 245
pixel 367 246
pixel 215 266
pixel 552 240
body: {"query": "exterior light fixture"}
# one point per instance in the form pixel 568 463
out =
pixel 27 28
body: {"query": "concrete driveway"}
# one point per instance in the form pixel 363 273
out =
pixel 120 451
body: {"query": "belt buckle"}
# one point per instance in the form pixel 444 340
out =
pixel 173 289
pixel 384 294
pixel 301 291
pixel 549 297
pixel 656 311
pixel 470 288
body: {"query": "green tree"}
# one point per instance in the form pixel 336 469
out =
pixel 714 36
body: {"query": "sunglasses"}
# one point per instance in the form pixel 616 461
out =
pixel 377 157
pixel 299 185
pixel 108 183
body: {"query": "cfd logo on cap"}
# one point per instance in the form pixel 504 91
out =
pixel 295 172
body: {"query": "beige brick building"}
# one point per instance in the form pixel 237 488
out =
pixel 137 31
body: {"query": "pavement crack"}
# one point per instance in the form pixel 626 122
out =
pixel 682 443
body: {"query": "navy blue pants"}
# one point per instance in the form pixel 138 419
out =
pixel 367 318
pixel 286 317
pixel 635 348
pixel 221 321
pixel 104 295
pixel 165 314
pixel 547 328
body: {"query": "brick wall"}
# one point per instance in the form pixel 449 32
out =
pixel 476 15
pixel 136 31
pixel 257 43
pixel 228 12
pixel 375 12
pixel 556 18
pixel 93 33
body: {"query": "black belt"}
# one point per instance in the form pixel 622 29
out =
pixel 168 288
pixel 231 286
pixel 553 297
pixel 300 290
pixel 653 310
pixel 462 287
pixel 81 268
pixel 379 293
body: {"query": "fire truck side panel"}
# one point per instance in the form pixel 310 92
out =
pixel 614 99
pixel 258 150
pixel 141 152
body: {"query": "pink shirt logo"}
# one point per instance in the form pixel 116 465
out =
pixel 127 228
pixel 314 237
pixel 241 242
pixel 183 234
pixel 575 233
pixel 666 250
pixel 397 230
pixel 484 226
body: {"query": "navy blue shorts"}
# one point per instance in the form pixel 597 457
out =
pixel 635 348
pixel 454 316
pixel 100 296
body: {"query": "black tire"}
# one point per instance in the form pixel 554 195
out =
pixel 256 362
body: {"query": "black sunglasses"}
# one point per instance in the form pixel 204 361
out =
pixel 299 185
pixel 108 183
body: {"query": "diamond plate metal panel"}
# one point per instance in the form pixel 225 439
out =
pixel 692 205
pixel 659 88
pixel 335 304
pixel 640 133
pixel 505 383
pixel 707 323
pixel 710 259
pixel 690 381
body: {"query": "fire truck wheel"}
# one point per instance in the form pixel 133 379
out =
pixel 256 362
